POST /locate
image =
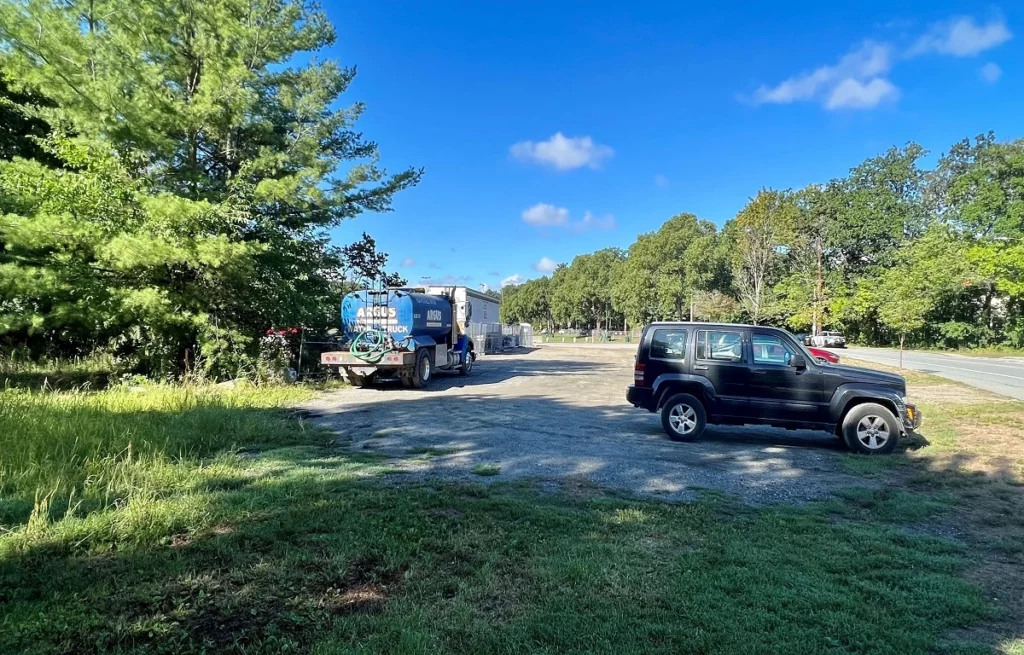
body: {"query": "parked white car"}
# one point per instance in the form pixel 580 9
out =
pixel 829 340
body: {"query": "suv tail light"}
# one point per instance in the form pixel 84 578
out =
pixel 638 374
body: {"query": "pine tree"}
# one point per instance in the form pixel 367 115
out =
pixel 224 138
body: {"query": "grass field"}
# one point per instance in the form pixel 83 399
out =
pixel 174 520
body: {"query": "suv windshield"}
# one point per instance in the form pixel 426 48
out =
pixel 800 344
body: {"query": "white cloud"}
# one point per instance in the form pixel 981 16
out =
pixel 590 221
pixel 545 265
pixel 512 280
pixel 408 262
pixel 867 63
pixel 961 37
pixel 852 94
pixel 543 214
pixel 859 80
pixel 661 181
pixel 484 287
pixel 563 153
pixel 991 72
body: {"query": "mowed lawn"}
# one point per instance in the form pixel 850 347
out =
pixel 197 519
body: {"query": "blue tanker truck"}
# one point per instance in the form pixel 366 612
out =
pixel 401 333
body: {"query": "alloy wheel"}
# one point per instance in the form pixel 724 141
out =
pixel 683 419
pixel 873 432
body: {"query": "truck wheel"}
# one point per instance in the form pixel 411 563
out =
pixel 870 429
pixel 467 366
pixel 683 417
pixel 424 370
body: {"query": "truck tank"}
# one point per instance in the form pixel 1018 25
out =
pixel 401 313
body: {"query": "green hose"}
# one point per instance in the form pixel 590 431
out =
pixel 378 347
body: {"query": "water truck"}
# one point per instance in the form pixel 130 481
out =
pixel 403 333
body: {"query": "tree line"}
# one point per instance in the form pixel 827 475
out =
pixel 894 252
pixel 169 172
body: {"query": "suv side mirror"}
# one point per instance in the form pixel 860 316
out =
pixel 798 361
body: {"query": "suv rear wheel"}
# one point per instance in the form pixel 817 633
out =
pixel 870 429
pixel 683 417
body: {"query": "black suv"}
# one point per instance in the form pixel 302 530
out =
pixel 700 373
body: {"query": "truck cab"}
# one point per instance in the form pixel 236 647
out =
pixel 696 374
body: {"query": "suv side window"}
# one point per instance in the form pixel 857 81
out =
pixel 669 344
pixel 721 345
pixel 771 349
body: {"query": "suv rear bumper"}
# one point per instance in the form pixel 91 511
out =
pixel 640 397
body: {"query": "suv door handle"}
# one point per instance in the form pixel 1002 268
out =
pixel 758 371
pixel 700 367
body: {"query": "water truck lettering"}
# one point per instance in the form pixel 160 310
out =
pixel 377 312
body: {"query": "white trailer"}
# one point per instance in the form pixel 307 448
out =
pixel 483 311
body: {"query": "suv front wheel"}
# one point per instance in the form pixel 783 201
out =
pixel 870 429
pixel 683 417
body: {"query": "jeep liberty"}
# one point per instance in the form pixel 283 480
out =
pixel 697 374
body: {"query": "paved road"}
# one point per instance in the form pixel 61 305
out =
pixel 1003 375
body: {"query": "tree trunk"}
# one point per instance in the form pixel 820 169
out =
pixel 903 335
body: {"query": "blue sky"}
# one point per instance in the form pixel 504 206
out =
pixel 552 129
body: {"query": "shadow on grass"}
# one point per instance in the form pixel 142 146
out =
pixel 52 380
pixel 296 546
pixel 322 556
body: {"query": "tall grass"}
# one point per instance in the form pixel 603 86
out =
pixel 19 370
pixel 70 453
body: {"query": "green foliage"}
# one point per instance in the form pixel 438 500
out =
pixel 903 305
pixel 666 270
pixel 19 130
pixel 190 212
pixel 890 252
pixel 758 234
pixel 583 291
pixel 529 302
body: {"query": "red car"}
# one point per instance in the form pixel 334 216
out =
pixel 820 354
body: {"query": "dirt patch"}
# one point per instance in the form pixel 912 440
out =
pixel 996 450
pixel 1002 584
pixel 181 540
pixel 222 530
pixel 365 599
pixel 942 394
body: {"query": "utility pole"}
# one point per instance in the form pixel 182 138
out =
pixel 816 328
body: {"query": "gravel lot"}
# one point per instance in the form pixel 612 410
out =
pixel 559 413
